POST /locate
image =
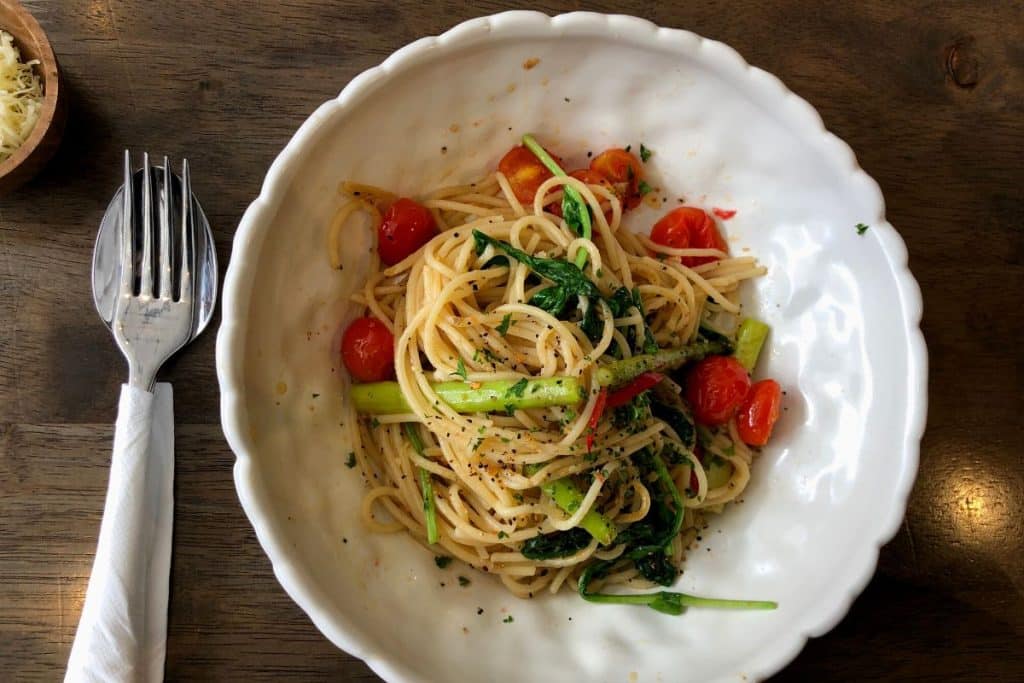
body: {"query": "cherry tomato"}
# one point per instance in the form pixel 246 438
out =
pixel 590 177
pixel 584 175
pixel 525 172
pixel 406 226
pixel 715 389
pixel 623 170
pixel 673 229
pixel 689 228
pixel 759 412
pixel 368 350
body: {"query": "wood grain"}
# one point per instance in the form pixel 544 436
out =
pixel 929 94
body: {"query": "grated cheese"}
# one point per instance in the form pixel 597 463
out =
pixel 21 97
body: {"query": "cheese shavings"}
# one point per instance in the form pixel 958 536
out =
pixel 21 97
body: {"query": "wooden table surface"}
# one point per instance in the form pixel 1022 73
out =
pixel 929 94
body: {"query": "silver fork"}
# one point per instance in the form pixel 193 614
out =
pixel 151 326
pixel 121 635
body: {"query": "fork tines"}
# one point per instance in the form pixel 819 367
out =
pixel 157 262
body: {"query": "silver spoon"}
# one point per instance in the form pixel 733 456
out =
pixel 106 257
pixel 155 285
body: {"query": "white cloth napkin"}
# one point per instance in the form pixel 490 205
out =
pixel 123 629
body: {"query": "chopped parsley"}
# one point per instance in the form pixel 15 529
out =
pixel 861 228
pixel 505 322
pixel 507 620
pixel 644 188
pixel 502 534
pixel 461 370
pixel 442 561
pixel 351 462
pixel 374 423
pixel 517 389
pixel 645 153
pixel 463 581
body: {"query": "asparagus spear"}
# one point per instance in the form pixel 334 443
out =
pixel 622 371
pixel 749 340
pixel 384 398
pixel 568 497
pixel 719 473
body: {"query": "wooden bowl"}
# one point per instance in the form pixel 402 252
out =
pixel 41 144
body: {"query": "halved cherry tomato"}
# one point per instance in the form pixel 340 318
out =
pixel 525 172
pixel 368 350
pixel 590 177
pixel 759 412
pixel 624 171
pixel 585 175
pixel 689 228
pixel 716 388
pixel 406 226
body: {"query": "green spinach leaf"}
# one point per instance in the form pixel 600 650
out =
pixel 556 544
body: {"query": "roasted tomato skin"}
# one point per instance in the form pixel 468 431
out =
pixel 368 350
pixel 524 172
pixel 405 227
pixel 624 171
pixel 759 412
pixel 716 388
pixel 689 227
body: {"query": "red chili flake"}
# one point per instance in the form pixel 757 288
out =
pixel 724 214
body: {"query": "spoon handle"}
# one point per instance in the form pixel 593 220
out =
pixel 122 633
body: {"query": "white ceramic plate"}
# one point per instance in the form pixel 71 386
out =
pixel 846 346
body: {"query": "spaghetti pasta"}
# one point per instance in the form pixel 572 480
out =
pixel 536 495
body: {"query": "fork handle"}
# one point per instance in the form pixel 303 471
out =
pixel 122 633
